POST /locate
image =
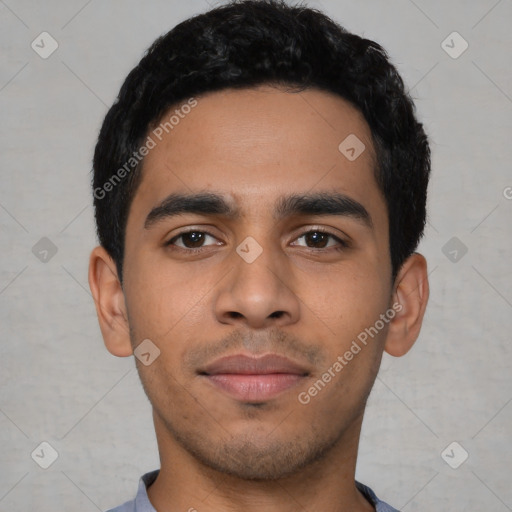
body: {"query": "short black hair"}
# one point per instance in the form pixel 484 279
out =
pixel 244 44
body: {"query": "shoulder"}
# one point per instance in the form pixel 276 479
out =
pixel 379 505
pixel 141 502
pixel 129 506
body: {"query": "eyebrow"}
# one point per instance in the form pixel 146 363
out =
pixel 211 203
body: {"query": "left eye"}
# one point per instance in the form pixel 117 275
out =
pixel 318 237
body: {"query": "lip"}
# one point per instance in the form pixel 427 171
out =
pixel 242 364
pixel 254 379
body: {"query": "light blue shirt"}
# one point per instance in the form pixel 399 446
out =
pixel 141 502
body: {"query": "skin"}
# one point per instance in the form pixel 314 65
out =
pixel 252 146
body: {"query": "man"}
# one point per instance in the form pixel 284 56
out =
pixel 260 189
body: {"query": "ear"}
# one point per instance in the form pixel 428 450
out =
pixel 110 304
pixel 410 297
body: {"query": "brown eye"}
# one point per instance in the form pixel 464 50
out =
pixel 193 239
pixel 319 239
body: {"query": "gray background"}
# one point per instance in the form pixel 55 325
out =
pixel 60 385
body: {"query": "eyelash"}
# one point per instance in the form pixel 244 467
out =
pixel 343 244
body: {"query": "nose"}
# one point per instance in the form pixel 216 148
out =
pixel 259 293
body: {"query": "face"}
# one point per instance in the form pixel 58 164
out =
pixel 255 290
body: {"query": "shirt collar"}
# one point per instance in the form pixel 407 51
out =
pixel 142 503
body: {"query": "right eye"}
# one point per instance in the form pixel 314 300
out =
pixel 191 240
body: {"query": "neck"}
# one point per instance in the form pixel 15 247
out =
pixel 328 484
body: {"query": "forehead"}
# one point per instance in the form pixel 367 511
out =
pixel 255 145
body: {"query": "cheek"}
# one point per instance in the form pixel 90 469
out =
pixel 347 299
pixel 159 299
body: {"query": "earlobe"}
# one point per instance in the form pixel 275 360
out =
pixel 410 297
pixel 110 303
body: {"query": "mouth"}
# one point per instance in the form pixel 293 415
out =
pixel 254 379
